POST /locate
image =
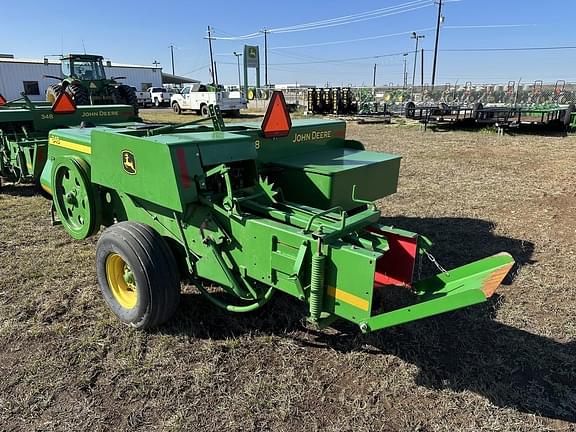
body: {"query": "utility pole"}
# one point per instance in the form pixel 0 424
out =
pixel 211 55
pixel 238 55
pixel 265 57
pixel 422 69
pixel 436 43
pixel 172 55
pixel 215 75
pixel 374 77
pixel 417 37
pixel 155 63
pixel 405 72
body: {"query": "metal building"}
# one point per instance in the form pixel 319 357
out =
pixel 27 75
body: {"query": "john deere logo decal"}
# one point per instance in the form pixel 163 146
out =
pixel 128 162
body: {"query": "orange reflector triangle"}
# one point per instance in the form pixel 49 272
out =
pixel 277 122
pixel 64 104
pixel 2 100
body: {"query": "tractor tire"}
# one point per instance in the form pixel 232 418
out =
pixel 176 108
pixel 52 92
pixel 128 96
pixel 568 114
pixel 138 275
pixel 204 111
pixel 79 94
pixel 410 110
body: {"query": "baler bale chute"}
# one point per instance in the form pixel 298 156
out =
pixel 254 209
pixel 24 128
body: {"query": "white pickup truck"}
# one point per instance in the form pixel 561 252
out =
pixel 160 96
pixel 197 97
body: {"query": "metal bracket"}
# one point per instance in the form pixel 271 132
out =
pixel 53 219
pixel 361 201
pixel 295 276
pixel 216 116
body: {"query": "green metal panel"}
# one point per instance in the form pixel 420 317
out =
pixel 41 118
pixel 157 174
pixel 325 178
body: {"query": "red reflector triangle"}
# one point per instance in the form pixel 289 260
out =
pixel 277 122
pixel 64 104
pixel 2 100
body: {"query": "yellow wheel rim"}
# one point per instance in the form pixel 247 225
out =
pixel 51 98
pixel 121 281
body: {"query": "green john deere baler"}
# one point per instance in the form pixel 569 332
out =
pixel 24 127
pixel 253 209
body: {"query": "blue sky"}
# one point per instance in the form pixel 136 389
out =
pixel 141 32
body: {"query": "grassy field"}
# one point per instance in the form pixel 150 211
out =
pixel 509 365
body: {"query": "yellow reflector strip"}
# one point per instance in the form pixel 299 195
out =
pixel 70 145
pixel 346 297
pixel 493 281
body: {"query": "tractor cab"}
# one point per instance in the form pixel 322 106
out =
pixel 83 67
pixel 84 79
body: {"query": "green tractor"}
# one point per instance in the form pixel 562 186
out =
pixel 84 78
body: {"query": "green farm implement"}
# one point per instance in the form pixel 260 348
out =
pixel 24 127
pixel 251 209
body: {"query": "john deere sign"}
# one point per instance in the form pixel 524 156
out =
pixel 251 56
pixel 251 60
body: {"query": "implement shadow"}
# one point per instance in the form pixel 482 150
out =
pixel 468 351
pixel 18 190
pixel 464 350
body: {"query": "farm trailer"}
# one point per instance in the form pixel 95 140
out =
pixel 253 209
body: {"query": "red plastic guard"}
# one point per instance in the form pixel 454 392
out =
pixel 396 266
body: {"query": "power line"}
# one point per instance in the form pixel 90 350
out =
pixel 355 20
pixel 510 49
pixel 424 30
pixel 495 49
pixel 352 40
pixel 356 15
pixel 363 16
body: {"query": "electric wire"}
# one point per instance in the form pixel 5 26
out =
pixel 363 16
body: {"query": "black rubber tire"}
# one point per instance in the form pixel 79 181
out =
pixel 79 94
pixel 40 190
pixel 128 96
pixel 52 92
pixel 204 111
pixel 409 110
pixel 568 114
pixel 154 268
pixel 176 108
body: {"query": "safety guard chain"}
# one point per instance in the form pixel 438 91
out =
pixel 433 260
pixel 436 263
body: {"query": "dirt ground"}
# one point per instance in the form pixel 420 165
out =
pixel 509 365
